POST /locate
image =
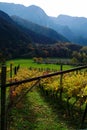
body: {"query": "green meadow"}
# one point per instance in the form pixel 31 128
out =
pixel 30 63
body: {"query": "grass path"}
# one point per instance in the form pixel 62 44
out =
pixel 34 113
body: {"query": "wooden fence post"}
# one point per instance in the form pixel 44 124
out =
pixel 10 90
pixel 15 70
pixel 83 118
pixel 11 70
pixel 61 78
pixel 3 98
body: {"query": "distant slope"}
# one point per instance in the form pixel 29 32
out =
pixel 32 13
pixel 73 28
pixel 48 32
pixel 17 41
pixel 78 26
pixel 10 30
pixel 14 39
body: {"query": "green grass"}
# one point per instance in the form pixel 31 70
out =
pixel 30 63
pixel 34 113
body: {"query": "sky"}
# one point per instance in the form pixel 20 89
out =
pixel 57 7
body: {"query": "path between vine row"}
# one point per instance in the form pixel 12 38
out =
pixel 34 113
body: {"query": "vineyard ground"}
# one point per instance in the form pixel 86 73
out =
pixel 39 112
pixel 35 113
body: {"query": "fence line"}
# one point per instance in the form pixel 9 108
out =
pixel 4 85
pixel 3 115
pixel 45 76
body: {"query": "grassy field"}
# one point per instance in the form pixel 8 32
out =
pixel 30 63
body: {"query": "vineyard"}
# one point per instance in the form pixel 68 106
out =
pixel 67 87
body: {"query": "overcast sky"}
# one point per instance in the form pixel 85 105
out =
pixel 57 7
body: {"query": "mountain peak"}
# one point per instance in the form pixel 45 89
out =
pixel 36 9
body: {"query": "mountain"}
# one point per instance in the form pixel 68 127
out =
pixel 30 33
pixel 45 31
pixel 34 14
pixel 73 28
pixel 78 25
pixel 74 23
pixel 9 30
pixel 62 29
pixel 17 39
pixel 31 13
pixel 14 39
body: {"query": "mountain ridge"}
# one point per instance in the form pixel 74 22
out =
pixel 17 41
pixel 48 32
pixel 76 33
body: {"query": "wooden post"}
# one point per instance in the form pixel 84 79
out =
pixel 3 98
pixel 83 118
pixel 11 70
pixel 15 70
pixel 61 77
pixel 10 89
